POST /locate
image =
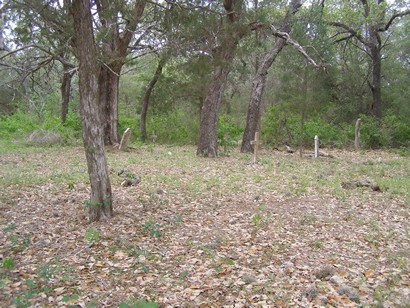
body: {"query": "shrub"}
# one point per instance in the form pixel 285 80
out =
pixel 129 122
pixel 228 131
pixel 17 124
pixel 329 135
pixel 280 126
pixel 173 127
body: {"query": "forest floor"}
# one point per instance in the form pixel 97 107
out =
pixel 200 232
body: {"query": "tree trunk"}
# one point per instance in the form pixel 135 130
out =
pixel 108 95
pixel 376 86
pixel 208 134
pixel 223 58
pixel 259 81
pixel 114 52
pixel 255 101
pixel 100 204
pixel 145 100
pixel 65 91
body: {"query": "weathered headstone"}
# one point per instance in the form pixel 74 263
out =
pixel 124 140
pixel 316 146
pixel 154 137
pixel 256 143
pixel 357 134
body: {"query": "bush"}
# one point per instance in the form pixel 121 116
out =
pixel 17 124
pixel 329 135
pixel 280 126
pixel 228 131
pixel 397 130
pixel 129 122
pixel 173 127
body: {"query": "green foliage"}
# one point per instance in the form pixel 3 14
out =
pixel 153 228
pixel 8 263
pixel 139 303
pixel 92 235
pixel 280 126
pixel 228 131
pixel 125 122
pixel 19 242
pixel 283 127
pixel 22 124
pixel 173 127
pixel 23 300
pixel 47 272
pixel 391 131
pixel 17 124
pixel 329 135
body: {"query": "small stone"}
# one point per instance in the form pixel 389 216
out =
pixel 350 293
pixel 311 292
pixel 248 278
pixel 325 272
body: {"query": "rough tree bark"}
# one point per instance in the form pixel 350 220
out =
pixel 114 51
pixel 108 82
pixel 100 204
pixel 147 95
pixel 259 80
pixel 223 57
pixel 65 90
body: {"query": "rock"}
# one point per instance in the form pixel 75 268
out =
pixel 311 292
pixel 325 272
pixel 350 293
pixel 248 278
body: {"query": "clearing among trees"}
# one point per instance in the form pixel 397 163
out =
pixel 205 233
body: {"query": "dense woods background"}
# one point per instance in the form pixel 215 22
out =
pixel 167 63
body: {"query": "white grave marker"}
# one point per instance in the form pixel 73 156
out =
pixel 316 146
pixel 256 143
pixel 124 140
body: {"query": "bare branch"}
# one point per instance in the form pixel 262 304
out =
pixel 349 30
pixel 285 36
pixel 394 16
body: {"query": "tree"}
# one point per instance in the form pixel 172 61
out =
pixel 118 23
pixel 365 31
pixel 100 204
pixel 259 80
pixel 146 97
pixel 223 54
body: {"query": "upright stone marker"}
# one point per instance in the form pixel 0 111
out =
pixel 357 135
pixel 255 144
pixel 124 140
pixel 316 146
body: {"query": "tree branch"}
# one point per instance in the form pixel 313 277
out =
pixel 349 30
pixel 392 18
pixel 285 36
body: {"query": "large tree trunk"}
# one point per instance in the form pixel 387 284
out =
pixel 108 95
pixel 145 100
pixel 208 134
pixel 100 204
pixel 115 49
pixel 208 131
pixel 65 91
pixel 223 58
pixel 259 81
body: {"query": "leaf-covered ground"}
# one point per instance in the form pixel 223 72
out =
pixel 202 232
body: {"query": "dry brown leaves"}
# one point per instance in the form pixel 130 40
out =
pixel 205 233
